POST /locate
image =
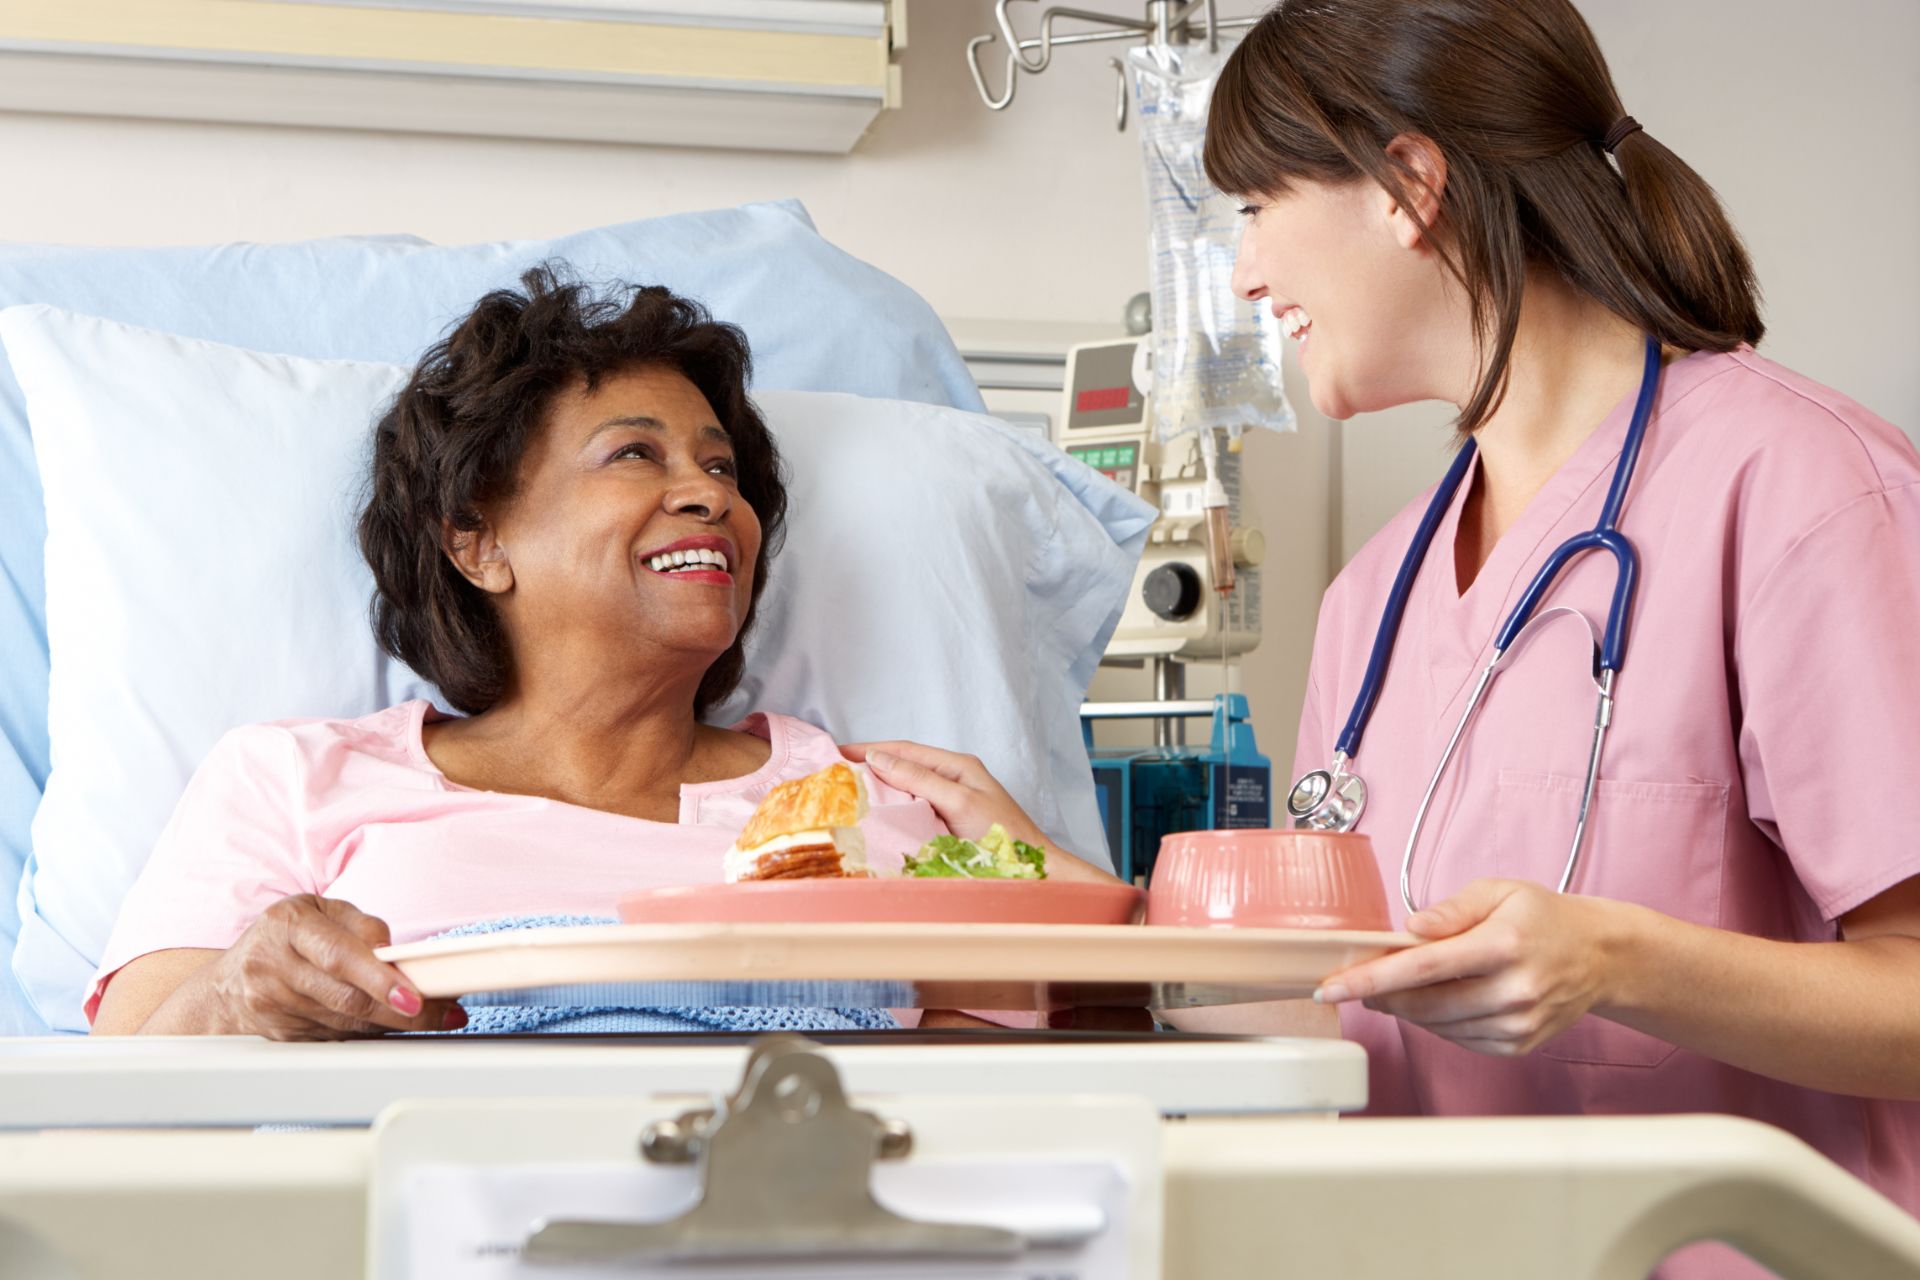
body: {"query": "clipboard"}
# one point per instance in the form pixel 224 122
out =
pixel 785 1177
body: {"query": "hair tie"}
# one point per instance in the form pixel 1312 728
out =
pixel 1618 134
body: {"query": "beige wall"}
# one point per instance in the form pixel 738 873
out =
pixel 1803 116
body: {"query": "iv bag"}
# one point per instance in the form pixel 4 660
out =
pixel 1216 358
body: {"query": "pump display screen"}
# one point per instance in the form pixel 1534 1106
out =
pixel 1100 393
pixel 1117 462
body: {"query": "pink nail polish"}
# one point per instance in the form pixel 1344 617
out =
pixel 455 1018
pixel 407 1002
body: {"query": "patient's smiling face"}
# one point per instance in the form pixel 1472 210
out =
pixel 619 479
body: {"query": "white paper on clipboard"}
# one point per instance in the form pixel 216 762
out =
pixel 468 1222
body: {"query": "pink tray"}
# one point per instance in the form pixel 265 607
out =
pixel 889 901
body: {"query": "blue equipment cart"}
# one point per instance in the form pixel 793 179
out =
pixel 1147 792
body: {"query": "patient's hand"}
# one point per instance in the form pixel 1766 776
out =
pixel 967 798
pixel 305 970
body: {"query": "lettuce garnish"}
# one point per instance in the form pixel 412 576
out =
pixel 994 856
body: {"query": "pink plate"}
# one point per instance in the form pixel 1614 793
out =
pixel 887 901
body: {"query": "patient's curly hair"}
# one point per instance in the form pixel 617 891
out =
pixel 453 439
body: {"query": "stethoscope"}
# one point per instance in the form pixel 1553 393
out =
pixel 1333 799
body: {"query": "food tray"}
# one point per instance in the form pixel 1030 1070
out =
pixel 940 966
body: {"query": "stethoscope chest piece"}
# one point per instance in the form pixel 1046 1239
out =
pixel 1327 800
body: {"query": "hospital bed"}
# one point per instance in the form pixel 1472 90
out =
pixel 1204 1195
pixel 1194 1155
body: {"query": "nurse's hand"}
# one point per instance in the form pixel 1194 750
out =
pixel 1508 966
pixel 966 797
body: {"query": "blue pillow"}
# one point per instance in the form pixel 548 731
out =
pixel 817 319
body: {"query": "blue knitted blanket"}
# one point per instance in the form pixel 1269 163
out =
pixel 492 1018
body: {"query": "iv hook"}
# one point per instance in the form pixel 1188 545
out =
pixel 1178 26
pixel 1045 59
pixel 1005 100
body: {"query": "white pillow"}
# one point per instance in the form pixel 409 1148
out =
pixel 943 579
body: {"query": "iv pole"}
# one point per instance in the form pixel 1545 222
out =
pixel 1168 23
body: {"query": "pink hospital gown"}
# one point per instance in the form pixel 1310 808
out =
pixel 354 809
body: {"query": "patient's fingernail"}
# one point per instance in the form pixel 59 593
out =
pixel 880 760
pixel 407 1002
pixel 455 1018
pixel 1331 993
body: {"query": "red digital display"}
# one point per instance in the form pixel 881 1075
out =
pixel 1101 400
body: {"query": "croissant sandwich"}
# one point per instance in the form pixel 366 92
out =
pixel 805 829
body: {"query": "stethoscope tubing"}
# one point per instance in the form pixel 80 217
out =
pixel 1348 744
pixel 1605 535
pixel 1609 652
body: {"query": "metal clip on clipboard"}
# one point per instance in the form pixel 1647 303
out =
pixel 785 1166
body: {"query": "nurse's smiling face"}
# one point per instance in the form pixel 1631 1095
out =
pixel 1350 273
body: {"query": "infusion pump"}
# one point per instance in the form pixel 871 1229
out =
pixel 1173 610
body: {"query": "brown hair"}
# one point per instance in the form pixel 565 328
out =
pixel 453 439
pixel 1517 97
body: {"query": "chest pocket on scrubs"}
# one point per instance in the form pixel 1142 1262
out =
pixel 1659 844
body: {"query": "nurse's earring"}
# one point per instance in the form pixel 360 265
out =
pixel 479 556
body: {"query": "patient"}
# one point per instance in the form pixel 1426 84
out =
pixel 571 509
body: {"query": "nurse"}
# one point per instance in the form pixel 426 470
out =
pixel 1450 202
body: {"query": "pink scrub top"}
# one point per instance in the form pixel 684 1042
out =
pixel 1763 770
pixel 355 809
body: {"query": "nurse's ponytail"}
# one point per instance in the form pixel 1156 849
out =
pixel 1543 168
pixel 1694 248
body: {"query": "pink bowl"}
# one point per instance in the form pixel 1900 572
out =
pixel 1267 880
